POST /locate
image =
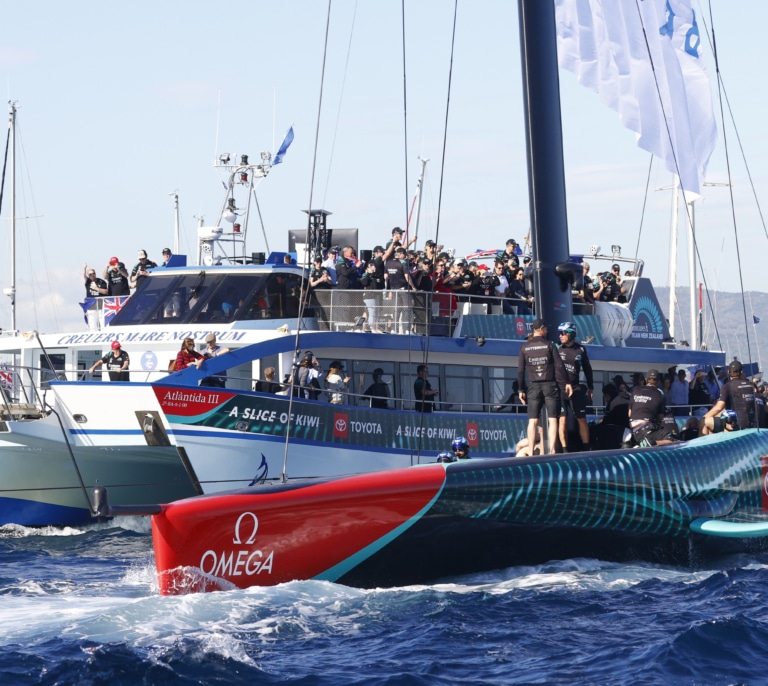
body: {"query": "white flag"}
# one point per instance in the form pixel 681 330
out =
pixel 602 42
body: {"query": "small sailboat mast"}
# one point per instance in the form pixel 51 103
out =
pixel 11 292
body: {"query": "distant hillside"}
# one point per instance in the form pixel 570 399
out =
pixel 729 310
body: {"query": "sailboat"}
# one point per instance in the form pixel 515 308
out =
pixel 666 503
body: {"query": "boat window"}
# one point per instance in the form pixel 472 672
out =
pixel 463 388
pixel 362 379
pixel 276 298
pixel 191 298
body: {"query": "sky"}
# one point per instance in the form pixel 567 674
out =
pixel 121 105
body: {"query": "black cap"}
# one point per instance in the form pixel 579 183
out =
pixel 538 324
pixel 378 248
pixel 430 242
pixel 166 251
pixel 397 229
pixel 526 259
pixel 511 241
pixel 615 267
pixel 652 375
pixel 336 365
pixel 735 368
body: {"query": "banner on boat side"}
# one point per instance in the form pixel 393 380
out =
pixel 339 425
pixel 518 327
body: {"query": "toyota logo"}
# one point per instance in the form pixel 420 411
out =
pixel 472 435
pixel 341 425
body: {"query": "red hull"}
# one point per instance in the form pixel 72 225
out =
pixel 314 531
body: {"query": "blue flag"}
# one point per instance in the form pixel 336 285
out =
pixel 756 320
pixel 283 147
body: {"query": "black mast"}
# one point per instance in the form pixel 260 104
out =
pixel 546 175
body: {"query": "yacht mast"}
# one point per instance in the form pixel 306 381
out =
pixel 11 292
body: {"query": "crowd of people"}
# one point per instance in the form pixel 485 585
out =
pixel 398 267
pixel 116 280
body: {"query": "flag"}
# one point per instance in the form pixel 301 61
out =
pixel 278 158
pixel 660 90
pixel 87 304
pixel 755 320
pixel 112 306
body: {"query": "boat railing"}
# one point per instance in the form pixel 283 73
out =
pixel 20 396
pixel 402 312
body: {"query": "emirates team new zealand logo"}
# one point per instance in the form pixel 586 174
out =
pixel 648 322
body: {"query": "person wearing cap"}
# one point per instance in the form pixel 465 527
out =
pixel 116 277
pixel 397 239
pixel 117 362
pixel 736 394
pixel 378 391
pixel 335 384
pixel 575 359
pixel 213 349
pixel 139 271
pixel 647 407
pixel 329 263
pixel 539 361
pixel 319 276
pixel 94 286
pixel 166 256
pixel 510 253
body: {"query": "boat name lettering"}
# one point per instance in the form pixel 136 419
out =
pixel 194 397
pixel 245 562
pixel 147 336
pixel 365 427
pixel 426 432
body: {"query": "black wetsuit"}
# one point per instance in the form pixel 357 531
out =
pixel 739 395
pixel 646 405
pixel 538 359
pixel 575 358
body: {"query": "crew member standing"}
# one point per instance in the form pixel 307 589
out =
pixel 539 361
pixel 117 362
pixel 575 358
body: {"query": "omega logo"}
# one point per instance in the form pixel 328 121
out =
pixel 255 520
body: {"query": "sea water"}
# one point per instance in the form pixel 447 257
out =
pixel 81 606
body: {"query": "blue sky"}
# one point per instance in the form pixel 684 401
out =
pixel 119 106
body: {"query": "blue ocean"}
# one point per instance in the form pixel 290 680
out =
pixel 81 606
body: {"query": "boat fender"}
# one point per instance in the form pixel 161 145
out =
pixel 100 500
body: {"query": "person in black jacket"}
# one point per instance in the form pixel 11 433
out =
pixel 540 362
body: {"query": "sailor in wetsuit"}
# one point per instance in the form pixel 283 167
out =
pixel 538 359
pixel 738 393
pixel 646 412
pixel 575 358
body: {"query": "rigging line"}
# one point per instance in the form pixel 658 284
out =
pixel 721 83
pixel 674 157
pixel 405 118
pixel 645 202
pixel 304 281
pixel 442 167
pixel 730 186
pixel 341 98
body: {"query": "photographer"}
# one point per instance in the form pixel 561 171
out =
pixel 140 270
pixel 116 277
